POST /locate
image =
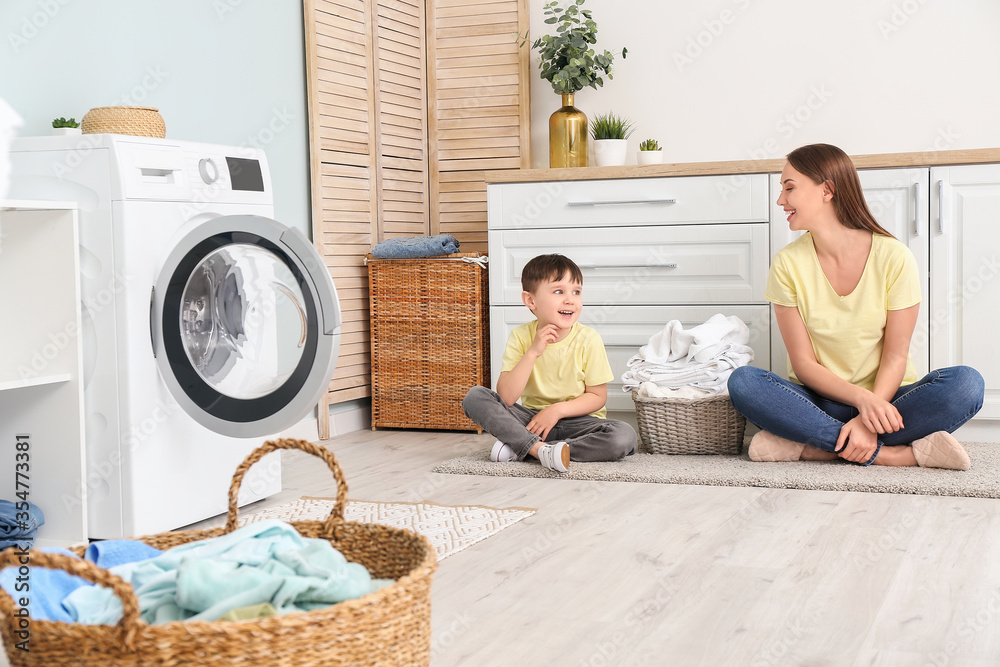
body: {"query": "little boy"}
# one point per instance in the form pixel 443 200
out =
pixel 559 370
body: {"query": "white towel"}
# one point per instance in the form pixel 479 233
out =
pixel 701 357
pixel 653 390
pixel 699 343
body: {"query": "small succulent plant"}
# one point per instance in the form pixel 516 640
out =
pixel 649 145
pixel 62 122
pixel 610 126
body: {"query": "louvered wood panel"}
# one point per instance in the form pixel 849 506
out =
pixel 478 108
pixel 410 101
pixel 342 128
pixel 402 118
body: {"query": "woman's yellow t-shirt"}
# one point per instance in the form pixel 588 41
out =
pixel 847 332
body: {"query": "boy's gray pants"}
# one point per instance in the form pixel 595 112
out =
pixel 589 438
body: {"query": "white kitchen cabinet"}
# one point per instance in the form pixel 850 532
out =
pixel 651 250
pixel 684 241
pixel 41 378
pixel 965 273
pixel 899 200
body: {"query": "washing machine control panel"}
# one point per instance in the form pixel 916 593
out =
pixel 231 175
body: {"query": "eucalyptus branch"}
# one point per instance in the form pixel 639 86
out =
pixel 567 59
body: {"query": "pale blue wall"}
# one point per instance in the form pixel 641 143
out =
pixel 220 71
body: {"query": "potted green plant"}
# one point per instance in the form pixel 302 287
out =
pixel 649 152
pixel 568 61
pixel 64 126
pixel 610 132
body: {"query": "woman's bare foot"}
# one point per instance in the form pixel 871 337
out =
pixel 901 455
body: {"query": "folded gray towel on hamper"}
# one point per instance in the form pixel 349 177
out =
pixel 411 247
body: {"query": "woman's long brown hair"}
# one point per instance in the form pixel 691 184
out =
pixel 824 163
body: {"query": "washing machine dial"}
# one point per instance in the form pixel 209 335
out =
pixel 209 172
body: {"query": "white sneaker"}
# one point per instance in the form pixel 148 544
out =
pixel 501 453
pixel 554 456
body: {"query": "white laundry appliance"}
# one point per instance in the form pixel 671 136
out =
pixel 207 326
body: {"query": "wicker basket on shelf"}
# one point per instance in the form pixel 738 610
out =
pixel 389 627
pixel 136 121
pixel 689 426
pixel 429 339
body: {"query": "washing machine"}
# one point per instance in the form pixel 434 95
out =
pixel 208 327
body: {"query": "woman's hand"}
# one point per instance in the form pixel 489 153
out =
pixel 878 415
pixel 857 442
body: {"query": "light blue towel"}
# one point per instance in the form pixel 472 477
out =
pixel 50 587
pixel 111 553
pixel 411 247
pixel 267 561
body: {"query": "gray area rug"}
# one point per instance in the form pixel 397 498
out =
pixel 982 480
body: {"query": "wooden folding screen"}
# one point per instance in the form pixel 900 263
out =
pixel 410 101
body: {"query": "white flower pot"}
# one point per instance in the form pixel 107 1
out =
pixel 650 157
pixel 610 152
pixel 62 131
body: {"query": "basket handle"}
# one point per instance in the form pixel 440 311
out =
pixel 336 514
pixel 130 620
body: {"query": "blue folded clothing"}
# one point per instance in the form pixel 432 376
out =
pixel 13 527
pixel 411 247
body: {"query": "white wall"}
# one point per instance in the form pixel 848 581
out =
pixel 220 71
pixel 740 79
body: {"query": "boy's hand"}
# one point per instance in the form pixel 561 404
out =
pixel 545 335
pixel 543 422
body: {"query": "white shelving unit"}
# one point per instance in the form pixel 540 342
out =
pixel 41 376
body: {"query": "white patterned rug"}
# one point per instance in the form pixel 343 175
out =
pixel 450 528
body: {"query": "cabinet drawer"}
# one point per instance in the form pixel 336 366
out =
pixel 642 265
pixel 627 328
pixel 625 202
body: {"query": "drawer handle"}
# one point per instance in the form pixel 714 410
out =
pixel 595 202
pixel 660 265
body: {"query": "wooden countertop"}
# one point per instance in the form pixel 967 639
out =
pixel 922 159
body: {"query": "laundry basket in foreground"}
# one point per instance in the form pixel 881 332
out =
pixel 689 426
pixel 389 627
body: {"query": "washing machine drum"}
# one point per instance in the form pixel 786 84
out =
pixel 245 325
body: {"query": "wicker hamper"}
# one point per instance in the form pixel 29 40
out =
pixel 689 426
pixel 389 627
pixel 429 339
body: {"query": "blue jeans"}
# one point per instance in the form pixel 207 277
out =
pixel 942 400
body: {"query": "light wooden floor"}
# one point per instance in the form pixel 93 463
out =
pixel 614 573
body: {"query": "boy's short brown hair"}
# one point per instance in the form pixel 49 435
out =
pixel 548 267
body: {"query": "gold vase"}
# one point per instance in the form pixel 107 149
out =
pixel 568 136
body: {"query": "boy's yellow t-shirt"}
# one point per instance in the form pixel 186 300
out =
pixel 564 370
pixel 847 332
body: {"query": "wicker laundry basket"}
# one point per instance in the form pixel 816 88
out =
pixel 137 121
pixel 389 627
pixel 429 339
pixel 689 426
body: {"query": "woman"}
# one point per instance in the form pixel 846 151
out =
pixel 846 296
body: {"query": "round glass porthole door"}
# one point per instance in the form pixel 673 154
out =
pixel 245 325
pixel 243 321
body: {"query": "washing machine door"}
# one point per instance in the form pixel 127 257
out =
pixel 245 325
